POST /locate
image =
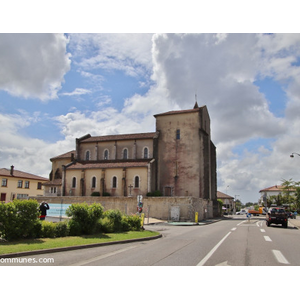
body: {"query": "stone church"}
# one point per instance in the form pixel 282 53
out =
pixel 178 159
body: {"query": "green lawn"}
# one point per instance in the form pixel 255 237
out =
pixel 47 243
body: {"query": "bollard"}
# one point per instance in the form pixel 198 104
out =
pixel 142 219
pixel 196 217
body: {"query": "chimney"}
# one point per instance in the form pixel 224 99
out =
pixel 12 170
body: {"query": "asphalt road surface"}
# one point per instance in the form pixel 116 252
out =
pixel 235 242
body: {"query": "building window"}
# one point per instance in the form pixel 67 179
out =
pixel 26 184
pixel 39 185
pixel 136 182
pixel 20 184
pixel 146 153
pixel 74 183
pixel 4 182
pixel 106 154
pixel 114 182
pixel 53 190
pixel 178 134
pixel 87 155
pixel 125 154
pixel 22 196
pixel 94 182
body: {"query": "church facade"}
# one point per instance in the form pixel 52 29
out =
pixel 178 159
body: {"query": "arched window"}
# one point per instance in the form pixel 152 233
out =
pixel 94 182
pixel 114 182
pixel 106 154
pixel 74 182
pixel 125 154
pixel 87 155
pixel 146 152
pixel 136 181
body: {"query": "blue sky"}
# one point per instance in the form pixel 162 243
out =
pixel 57 87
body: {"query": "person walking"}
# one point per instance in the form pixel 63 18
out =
pixel 43 210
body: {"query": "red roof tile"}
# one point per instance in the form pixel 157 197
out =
pixel 175 112
pixel 118 137
pixel 65 155
pixel 6 172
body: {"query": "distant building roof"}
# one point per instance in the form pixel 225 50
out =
pixel 175 112
pixel 109 165
pixel 221 195
pixel 274 188
pixel 20 174
pixel 65 155
pixel 118 137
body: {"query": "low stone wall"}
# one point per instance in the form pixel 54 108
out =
pixel 155 207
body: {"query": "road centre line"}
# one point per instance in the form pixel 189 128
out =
pixel 241 223
pixel 267 238
pixel 213 250
pixel 233 229
pixel 262 230
pixel 280 258
pixel 87 261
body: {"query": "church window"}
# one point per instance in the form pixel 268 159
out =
pixel 87 155
pixel 146 152
pixel 178 134
pixel 93 182
pixel 136 181
pixel 114 182
pixel 74 182
pixel 106 154
pixel 125 153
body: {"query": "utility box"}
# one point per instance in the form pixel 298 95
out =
pixel 175 213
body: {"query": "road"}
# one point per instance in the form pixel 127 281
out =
pixel 232 242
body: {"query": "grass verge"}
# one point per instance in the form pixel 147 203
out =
pixel 47 243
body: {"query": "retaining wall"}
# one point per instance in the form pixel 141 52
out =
pixel 155 207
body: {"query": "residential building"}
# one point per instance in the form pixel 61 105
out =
pixel 271 191
pixel 178 159
pixel 19 185
pixel 228 201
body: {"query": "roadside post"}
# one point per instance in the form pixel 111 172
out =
pixel 142 219
pixel 196 217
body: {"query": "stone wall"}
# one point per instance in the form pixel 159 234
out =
pixel 155 207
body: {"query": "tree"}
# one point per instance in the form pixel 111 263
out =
pixel 288 188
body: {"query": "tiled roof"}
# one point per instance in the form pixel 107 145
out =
pixel 275 188
pixel 65 155
pixel 221 195
pixel 109 165
pixel 19 174
pixel 175 112
pixel 118 137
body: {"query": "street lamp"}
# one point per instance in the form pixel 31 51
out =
pixel 292 155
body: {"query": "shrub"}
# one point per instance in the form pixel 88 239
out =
pixel 86 216
pixel 19 219
pixel 105 225
pixel 61 229
pixel 48 229
pixel 132 223
pixel 115 216
pixel 154 194
pixel 74 228
pixel 95 194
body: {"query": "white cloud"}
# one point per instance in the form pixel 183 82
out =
pixel 77 92
pixel 33 65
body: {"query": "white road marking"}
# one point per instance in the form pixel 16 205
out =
pixel 87 261
pixel 233 229
pixel 280 258
pixel 212 251
pixel 262 230
pixel 241 223
pixel 267 238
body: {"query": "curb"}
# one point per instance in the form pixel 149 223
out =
pixel 61 249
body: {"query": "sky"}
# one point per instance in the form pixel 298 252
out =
pixel 55 88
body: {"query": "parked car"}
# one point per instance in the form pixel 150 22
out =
pixel 291 215
pixel 241 212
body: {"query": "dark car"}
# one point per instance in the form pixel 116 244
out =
pixel 277 215
pixel 291 215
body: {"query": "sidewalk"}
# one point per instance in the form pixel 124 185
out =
pixel 295 222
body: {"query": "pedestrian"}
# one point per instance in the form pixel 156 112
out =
pixel 43 210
